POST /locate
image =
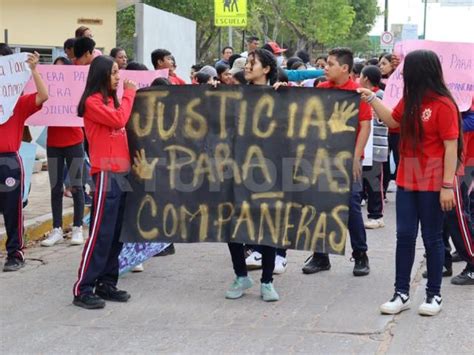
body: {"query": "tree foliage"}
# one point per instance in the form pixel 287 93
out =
pixel 297 23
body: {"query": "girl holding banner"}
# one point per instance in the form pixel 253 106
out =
pixel 261 69
pixel 430 147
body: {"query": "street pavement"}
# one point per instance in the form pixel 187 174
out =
pixel 178 306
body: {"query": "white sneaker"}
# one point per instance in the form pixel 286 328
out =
pixel 280 265
pixel 362 203
pixel 374 223
pixel 77 236
pixel 138 268
pixel 53 237
pixel 254 261
pixel 431 306
pixel 398 303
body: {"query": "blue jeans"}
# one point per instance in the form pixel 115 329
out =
pixel 413 208
pixel 355 224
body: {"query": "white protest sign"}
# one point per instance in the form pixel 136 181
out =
pixel 14 74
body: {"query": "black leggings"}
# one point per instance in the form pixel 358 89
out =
pixel 74 158
pixel 240 268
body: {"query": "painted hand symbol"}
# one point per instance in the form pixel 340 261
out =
pixel 338 120
pixel 142 169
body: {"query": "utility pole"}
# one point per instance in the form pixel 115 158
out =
pixel 424 19
pixel 385 13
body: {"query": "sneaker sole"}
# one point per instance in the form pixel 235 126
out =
pixel 9 269
pixel 77 242
pixel 270 299
pixel 309 272
pixel 463 283
pixel 232 297
pixel 87 306
pixel 385 311
pixel 106 298
pixel 359 274
pixel 428 313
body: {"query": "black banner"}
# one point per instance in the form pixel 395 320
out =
pixel 241 164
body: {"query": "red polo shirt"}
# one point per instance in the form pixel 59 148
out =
pixel 365 111
pixel 422 169
pixel 11 131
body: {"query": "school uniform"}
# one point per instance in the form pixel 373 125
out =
pixel 358 235
pixel 419 181
pixel 12 175
pixel 110 164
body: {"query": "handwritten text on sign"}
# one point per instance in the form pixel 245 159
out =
pixel 241 164
pixel 14 74
pixel 66 84
pixel 457 60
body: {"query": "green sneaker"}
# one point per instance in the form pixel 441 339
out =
pixel 269 293
pixel 238 287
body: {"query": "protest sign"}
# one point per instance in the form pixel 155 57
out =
pixel 241 164
pixel 14 74
pixel 457 60
pixel 66 84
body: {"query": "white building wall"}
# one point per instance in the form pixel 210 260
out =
pixel 160 29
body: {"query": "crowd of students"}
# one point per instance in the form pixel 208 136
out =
pixel 424 132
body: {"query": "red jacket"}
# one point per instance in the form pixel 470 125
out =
pixel 105 131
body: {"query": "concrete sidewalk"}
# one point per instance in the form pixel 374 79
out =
pixel 178 306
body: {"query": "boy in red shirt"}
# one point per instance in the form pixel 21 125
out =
pixel 11 166
pixel 162 59
pixel 337 71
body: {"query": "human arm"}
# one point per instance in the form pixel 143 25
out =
pixel 446 197
pixel 112 117
pixel 300 75
pixel 41 90
pixel 382 111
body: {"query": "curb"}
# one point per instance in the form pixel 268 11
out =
pixel 36 228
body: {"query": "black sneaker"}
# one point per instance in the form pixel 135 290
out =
pixel 89 301
pixel 361 266
pixel 170 250
pixel 466 277
pixel 455 257
pixel 446 272
pixel 13 264
pixel 316 264
pixel 111 293
pixel 87 200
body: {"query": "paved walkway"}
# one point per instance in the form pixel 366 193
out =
pixel 178 306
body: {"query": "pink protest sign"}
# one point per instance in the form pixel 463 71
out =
pixel 457 60
pixel 14 74
pixel 66 84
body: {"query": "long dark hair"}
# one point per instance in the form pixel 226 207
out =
pixel 422 75
pixel 98 80
pixel 373 74
pixel 268 60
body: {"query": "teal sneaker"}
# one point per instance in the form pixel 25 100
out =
pixel 269 293
pixel 238 287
